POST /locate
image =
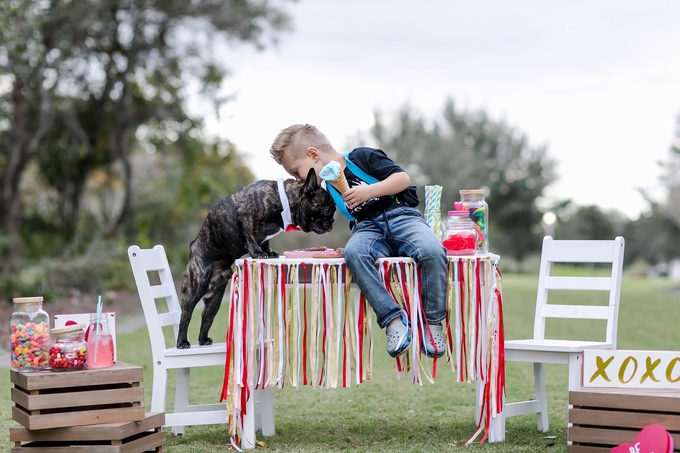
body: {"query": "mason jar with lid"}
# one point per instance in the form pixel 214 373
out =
pixel 460 237
pixel 473 202
pixel 69 348
pixel 29 337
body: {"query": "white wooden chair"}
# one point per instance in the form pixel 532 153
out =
pixel 539 350
pixel 144 261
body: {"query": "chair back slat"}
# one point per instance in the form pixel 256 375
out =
pixel 152 259
pixel 600 252
pixel 162 291
pixel 579 283
pixel 577 311
pixel 168 319
pixel 582 251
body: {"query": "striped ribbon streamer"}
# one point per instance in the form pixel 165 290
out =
pixel 303 323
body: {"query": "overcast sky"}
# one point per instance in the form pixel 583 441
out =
pixel 597 81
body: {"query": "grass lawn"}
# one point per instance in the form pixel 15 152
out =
pixel 386 414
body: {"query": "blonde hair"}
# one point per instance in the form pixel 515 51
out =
pixel 297 139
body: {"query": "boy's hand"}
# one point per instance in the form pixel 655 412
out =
pixel 394 183
pixel 357 195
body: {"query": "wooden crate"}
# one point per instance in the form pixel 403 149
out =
pixel 601 419
pixel 122 437
pixel 50 399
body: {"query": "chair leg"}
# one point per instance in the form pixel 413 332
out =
pixel 181 396
pixel 575 371
pixel 160 381
pixel 575 361
pixel 267 412
pixel 541 397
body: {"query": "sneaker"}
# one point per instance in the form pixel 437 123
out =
pixel 398 337
pixel 437 340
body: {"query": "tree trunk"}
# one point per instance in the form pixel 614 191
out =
pixel 22 150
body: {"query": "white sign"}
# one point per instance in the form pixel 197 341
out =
pixel 84 318
pixel 631 369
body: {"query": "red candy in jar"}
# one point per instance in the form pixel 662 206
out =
pixel 460 237
pixel 69 348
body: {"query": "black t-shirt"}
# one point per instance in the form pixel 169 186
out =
pixel 376 163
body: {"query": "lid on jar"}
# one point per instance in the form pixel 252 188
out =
pixel 27 300
pixel 473 192
pixel 71 328
pixel 459 213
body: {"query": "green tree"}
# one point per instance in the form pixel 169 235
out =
pixel 83 76
pixel 655 236
pixel 591 223
pixel 652 238
pixel 671 177
pixel 469 150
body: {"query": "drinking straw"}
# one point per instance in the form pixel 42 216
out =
pixel 96 336
pixel 433 196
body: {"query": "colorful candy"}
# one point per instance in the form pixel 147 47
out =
pixel 461 243
pixel 68 355
pixel 473 202
pixel 69 348
pixel 29 344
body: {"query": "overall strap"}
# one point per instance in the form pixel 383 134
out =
pixel 358 171
pixel 339 202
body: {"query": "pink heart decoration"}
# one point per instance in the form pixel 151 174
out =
pixel 457 206
pixel 652 439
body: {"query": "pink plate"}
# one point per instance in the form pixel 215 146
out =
pixel 299 253
pixel 308 253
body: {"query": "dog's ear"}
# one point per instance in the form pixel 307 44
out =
pixel 311 184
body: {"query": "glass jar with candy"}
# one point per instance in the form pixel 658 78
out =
pixel 472 201
pixel 29 337
pixel 460 237
pixel 69 349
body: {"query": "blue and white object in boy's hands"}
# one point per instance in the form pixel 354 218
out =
pixel 332 173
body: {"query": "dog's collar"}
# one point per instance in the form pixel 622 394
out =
pixel 285 214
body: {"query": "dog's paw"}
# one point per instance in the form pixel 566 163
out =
pixel 183 345
pixel 259 255
pixel 206 342
pixel 272 254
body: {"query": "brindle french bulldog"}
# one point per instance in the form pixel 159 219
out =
pixel 244 222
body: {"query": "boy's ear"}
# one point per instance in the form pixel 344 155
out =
pixel 311 184
pixel 313 153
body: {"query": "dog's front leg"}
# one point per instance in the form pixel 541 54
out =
pixel 250 230
pixel 267 249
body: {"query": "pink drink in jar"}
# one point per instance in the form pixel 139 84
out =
pixel 103 345
pixel 99 342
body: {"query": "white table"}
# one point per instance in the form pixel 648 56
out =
pixel 303 322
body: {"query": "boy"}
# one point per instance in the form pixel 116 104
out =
pixel 385 222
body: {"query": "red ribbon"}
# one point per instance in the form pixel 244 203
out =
pixel 362 302
pixel 501 352
pixel 245 393
pixel 304 331
pixel 229 340
pixel 463 341
pixel 285 319
pixel 478 320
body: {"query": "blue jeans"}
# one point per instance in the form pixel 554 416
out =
pixel 398 232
